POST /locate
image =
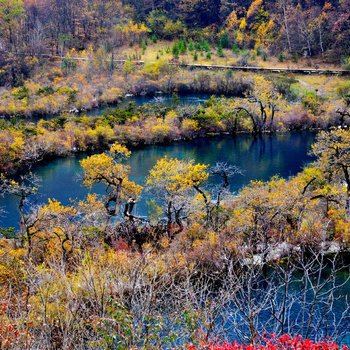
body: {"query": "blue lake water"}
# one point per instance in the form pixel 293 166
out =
pixel 163 99
pixel 259 158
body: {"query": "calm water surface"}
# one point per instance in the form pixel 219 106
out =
pixel 260 158
pixel 162 99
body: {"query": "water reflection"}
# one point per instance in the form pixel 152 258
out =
pixel 260 158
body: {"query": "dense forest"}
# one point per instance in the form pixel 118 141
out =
pixel 209 264
pixel 284 27
pixel 313 26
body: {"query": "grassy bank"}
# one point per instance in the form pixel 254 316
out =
pixel 56 87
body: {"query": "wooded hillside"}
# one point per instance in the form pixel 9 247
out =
pixel 291 27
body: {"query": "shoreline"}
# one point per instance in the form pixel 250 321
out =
pixel 49 158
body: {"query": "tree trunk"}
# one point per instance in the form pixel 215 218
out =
pixel 321 39
pixel 22 223
pixel 286 27
pixel 347 180
pixel 169 216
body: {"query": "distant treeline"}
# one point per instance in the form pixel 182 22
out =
pixel 289 26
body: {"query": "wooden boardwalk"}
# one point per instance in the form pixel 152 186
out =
pixel 264 69
pixel 316 71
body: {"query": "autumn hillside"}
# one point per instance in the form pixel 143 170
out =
pixel 148 203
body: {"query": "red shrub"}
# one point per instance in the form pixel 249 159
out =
pixel 284 342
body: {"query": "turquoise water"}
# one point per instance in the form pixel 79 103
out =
pixel 163 99
pixel 259 158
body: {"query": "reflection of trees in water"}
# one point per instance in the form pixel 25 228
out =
pixel 258 146
pixel 243 150
pixel 265 147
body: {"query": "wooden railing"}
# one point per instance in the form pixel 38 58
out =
pixel 320 71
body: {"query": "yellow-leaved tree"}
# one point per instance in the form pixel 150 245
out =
pixel 11 149
pixel 343 91
pixel 172 180
pixel 261 104
pixel 332 150
pixel 109 169
pixel 23 188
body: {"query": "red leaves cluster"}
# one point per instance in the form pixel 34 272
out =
pixel 8 335
pixel 283 342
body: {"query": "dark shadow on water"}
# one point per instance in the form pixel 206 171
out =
pixel 259 158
